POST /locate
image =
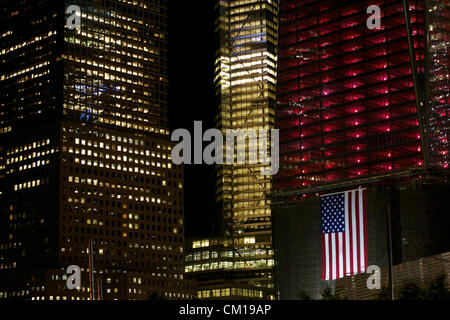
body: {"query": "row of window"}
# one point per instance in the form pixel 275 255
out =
pixel 30 184
pixel 227 292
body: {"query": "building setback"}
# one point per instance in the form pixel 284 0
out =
pixel 85 153
pixel 360 107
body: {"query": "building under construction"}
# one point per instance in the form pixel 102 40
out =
pixel 86 177
pixel 360 107
pixel 245 88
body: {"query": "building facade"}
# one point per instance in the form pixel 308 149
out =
pixel 360 107
pixel 214 263
pixel 350 103
pixel 85 153
pixel 417 206
pixel 245 87
pixel 422 272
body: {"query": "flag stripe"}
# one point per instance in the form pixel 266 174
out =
pixel 366 258
pixel 350 236
pixel 341 255
pixel 358 234
pixel 354 240
pixel 344 234
pixel 327 258
pixel 330 261
pixel 361 233
pixel 324 270
pixel 333 256
pixel 347 237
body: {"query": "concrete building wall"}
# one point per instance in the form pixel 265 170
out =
pixel 420 225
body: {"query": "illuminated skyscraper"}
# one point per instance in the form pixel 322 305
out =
pixel 351 104
pixel 361 108
pixel 85 153
pixel 245 82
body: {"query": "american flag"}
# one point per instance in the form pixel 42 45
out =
pixel 344 234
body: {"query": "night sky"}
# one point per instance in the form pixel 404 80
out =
pixel 191 97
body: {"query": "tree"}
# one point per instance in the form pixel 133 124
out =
pixel 437 289
pixel 411 291
pixel 384 294
pixel 303 295
pixel 327 294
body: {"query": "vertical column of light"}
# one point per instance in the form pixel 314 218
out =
pixel 438 24
pixel 378 107
pixel 72 91
pixel 357 113
pixel 282 111
pixel 405 100
pixel 320 53
pixel 394 133
pixel 331 142
pixel 385 109
pixel 295 61
pixel 222 87
pixel 305 54
pixel 410 19
pixel 83 83
pixel 346 91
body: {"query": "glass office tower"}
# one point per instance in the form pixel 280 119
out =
pixel 245 84
pixel 86 176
